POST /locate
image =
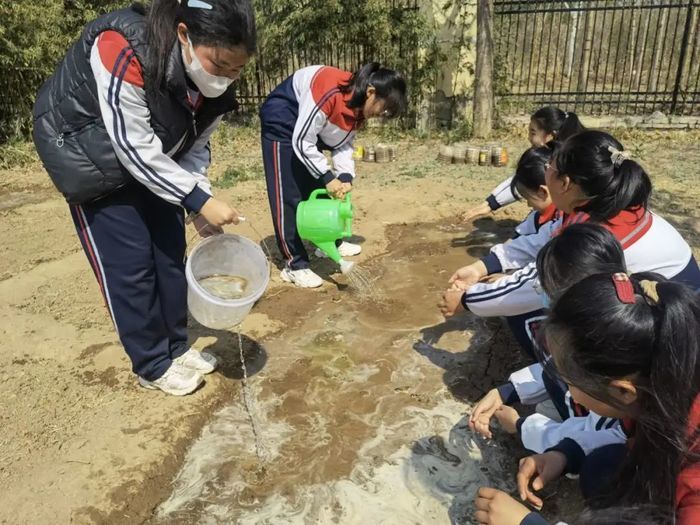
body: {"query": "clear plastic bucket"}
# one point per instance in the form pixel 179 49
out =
pixel 225 254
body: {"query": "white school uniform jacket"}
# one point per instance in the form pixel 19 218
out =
pixel 539 432
pixel 179 181
pixel 310 110
pixel 650 244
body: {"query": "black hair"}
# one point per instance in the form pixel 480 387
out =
pixel 653 341
pixel 556 122
pixel 229 23
pixel 577 252
pixel 610 188
pixel 529 175
pixel 388 84
pixel 632 515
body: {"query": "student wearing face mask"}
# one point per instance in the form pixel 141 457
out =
pixel 318 109
pixel 123 129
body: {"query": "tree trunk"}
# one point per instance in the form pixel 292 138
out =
pixel 644 33
pixel 483 82
pixel 586 54
pixel 632 47
pixel 656 60
pixel 573 34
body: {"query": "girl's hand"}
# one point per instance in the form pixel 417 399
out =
pixel 495 507
pixel 336 189
pixel 347 188
pixel 484 411
pixel 218 213
pixel 451 302
pixel 203 228
pixel 508 418
pixel 544 468
pixel 469 275
pixel 477 211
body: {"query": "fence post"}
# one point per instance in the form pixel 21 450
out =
pixel 681 59
pixel 483 81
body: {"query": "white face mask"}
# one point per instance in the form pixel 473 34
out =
pixel 209 85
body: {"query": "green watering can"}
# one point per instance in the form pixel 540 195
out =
pixel 323 221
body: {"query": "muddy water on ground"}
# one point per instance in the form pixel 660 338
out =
pixel 357 406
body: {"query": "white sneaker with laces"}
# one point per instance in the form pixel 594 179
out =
pixel 176 381
pixel 202 362
pixel 346 249
pixel 302 278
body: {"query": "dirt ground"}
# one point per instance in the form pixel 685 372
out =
pixel 81 443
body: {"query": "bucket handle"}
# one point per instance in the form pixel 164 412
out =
pixel 191 242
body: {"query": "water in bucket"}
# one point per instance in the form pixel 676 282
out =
pixel 225 286
pixel 226 275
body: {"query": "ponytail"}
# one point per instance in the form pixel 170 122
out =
pixel 570 127
pixel 162 20
pixel 558 123
pixel 222 23
pixel 612 186
pixel 651 336
pixel 388 84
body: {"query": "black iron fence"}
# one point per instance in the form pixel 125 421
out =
pixel 297 47
pixel 598 56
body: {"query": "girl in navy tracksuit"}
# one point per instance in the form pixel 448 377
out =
pixel 628 347
pixel 123 129
pixel 318 109
pixel 592 179
pixel 581 250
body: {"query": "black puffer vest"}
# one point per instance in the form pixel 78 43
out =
pixel 70 134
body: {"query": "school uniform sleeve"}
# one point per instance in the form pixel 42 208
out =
pixel 521 251
pixel 343 163
pixel 525 386
pixel 514 294
pixel 535 518
pixel 198 158
pixel 312 118
pixel 575 437
pixel 501 195
pixel 120 88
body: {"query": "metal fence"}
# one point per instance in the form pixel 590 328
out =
pixel 272 65
pixel 598 56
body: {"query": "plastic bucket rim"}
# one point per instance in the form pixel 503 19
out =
pixel 243 301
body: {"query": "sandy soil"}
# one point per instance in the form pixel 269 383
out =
pixel 79 441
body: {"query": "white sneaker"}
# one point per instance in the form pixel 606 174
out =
pixel 176 381
pixel 202 362
pixel 346 249
pixel 302 278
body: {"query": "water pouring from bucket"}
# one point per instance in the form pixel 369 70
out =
pixel 226 274
pixel 323 221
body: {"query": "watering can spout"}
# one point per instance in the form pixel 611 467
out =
pixel 330 249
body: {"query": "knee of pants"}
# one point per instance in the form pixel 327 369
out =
pixel 599 470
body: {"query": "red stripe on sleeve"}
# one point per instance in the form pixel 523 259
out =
pixel 110 44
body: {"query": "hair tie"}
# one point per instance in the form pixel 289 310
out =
pixel 623 288
pixel 650 291
pixel 196 4
pixel 618 157
pixel 566 115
